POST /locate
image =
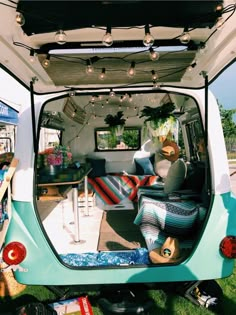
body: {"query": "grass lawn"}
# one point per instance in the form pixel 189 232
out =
pixel 165 301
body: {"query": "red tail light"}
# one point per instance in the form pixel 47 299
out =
pixel 228 246
pixel 14 253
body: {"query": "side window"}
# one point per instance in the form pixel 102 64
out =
pixel 129 139
pixel 196 140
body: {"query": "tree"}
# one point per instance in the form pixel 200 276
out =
pixel 228 124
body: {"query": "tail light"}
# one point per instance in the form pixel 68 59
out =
pixel 14 253
pixel 228 246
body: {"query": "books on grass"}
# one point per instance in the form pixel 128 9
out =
pixel 75 306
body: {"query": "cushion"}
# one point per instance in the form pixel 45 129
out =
pixel 144 166
pixel 161 165
pixel 195 178
pixel 175 176
pixel 98 167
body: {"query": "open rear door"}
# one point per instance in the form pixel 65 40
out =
pixel 5 200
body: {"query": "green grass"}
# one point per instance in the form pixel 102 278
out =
pixel 166 302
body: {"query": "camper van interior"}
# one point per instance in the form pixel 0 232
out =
pixel 120 173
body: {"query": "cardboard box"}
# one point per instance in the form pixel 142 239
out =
pixel 75 306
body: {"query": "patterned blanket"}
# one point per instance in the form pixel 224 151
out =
pixel 112 189
pixel 159 219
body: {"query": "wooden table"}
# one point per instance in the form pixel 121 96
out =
pixel 69 177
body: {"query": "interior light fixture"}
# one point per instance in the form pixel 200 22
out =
pixel 131 71
pixel 32 56
pixel 148 40
pixel 107 38
pixel 20 19
pixel 89 68
pixel 185 37
pixel 154 75
pixel 60 37
pixel 154 55
pixel 46 62
pixel 102 75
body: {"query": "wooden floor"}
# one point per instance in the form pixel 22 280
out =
pixel 58 221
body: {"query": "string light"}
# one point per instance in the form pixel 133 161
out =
pixel 112 93
pixel 154 75
pixel 89 68
pixel 20 19
pixel 32 56
pixel 148 40
pixel 102 75
pixel 185 37
pixel 60 37
pixel 46 62
pixel 107 38
pixel 131 71
pixel 154 55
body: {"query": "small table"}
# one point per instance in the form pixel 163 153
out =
pixel 68 177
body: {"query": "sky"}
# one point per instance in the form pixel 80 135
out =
pixel 224 87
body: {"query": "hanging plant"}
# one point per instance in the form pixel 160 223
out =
pixel 116 122
pixel 159 122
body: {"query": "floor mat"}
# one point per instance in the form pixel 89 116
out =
pixel 118 232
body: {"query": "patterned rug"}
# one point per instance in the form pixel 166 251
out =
pixel 118 232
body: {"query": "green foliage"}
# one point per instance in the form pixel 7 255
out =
pixel 228 124
pixel 131 138
pixel 160 113
pixel 114 120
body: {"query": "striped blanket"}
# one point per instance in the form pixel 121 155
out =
pixel 159 219
pixel 112 189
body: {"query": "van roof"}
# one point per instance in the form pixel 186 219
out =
pixel 208 47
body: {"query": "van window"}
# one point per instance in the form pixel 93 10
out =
pixel 129 139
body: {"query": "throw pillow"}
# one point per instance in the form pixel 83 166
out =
pixel 161 165
pixel 175 176
pixel 144 166
pixel 98 167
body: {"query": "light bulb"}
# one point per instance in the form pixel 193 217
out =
pixel 154 55
pixel 185 38
pixel 131 71
pixel 46 62
pixel 148 40
pixel 60 37
pixel 32 56
pixel 107 38
pixel 112 93
pixel 89 68
pixel 102 75
pixel 20 19
pixel 154 75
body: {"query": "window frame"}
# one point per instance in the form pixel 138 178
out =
pixel 117 150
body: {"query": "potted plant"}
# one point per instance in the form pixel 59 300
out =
pixel 116 123
pixel 159 122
